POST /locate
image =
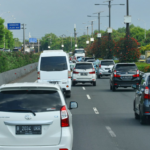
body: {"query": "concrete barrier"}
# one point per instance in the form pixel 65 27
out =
pixel 14 74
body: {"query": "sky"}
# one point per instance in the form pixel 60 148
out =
pixel 59 16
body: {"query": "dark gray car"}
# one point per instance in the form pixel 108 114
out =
pixel 124 75
pixel 141 103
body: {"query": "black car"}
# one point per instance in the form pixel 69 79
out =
pixel 141 103
pixel 124 75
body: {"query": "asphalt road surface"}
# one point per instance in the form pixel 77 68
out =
pixel 104 119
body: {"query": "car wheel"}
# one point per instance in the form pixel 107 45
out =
pixel 73 83
pixel 94 83
pixel 142 118
pixel 110 87
pixel 113 88
pixel 68 94
pixel 98 76
pixel 136 116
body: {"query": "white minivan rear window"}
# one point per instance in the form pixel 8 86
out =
pixel 56 63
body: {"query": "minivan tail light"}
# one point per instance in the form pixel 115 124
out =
pixel 100 66
pixel 69 74
pixel 137 74
pixel 146 93
pixel 38 75
pixel 116 75
pixel 64 117
pixel 93 72
pixel 75 72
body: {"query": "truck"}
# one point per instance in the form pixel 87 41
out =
pixel 79 53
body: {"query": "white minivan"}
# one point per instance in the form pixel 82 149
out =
pixel 53 66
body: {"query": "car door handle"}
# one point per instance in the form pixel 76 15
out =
pixel 28 122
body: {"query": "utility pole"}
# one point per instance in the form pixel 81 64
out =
pixel 38 46
pixel 109 29
pixel 127 24
pixel 23 27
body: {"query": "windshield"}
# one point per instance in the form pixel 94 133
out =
pixel 107 63
pixel 79 51
pixel 35 100
pixel 126 68
pixel 84 66
pixel 57 63
pixel 87 59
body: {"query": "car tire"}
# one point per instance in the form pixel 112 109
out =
pixel 68 94
pixel 113 88
pixel 136 116
pixel 142 119
pixel 73 83
pixel 98 76
pixel 110 87
pixel 94 83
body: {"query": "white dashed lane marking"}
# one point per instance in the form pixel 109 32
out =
pixel 110 131
pixel 95 110
pixel 88 96
pixel 83 88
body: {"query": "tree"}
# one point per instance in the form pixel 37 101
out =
pixel 2 32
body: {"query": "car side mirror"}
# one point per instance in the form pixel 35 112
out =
pixel 73 105
pixel 134 86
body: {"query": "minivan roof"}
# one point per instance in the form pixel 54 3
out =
pixel 54 53
pixel 47 51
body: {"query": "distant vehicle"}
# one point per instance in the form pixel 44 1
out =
pixel 37 116
pixel 142 58
pixel 53 66
pixel 6 50
pixel 87 58
pixel 84 72
pixel 142 98
pixel 104 67
pixel 148 61
pixel 90 60
pixel 79 53
pixel 1 49
pixel 15 50
pixel 95 66
pixel 124 75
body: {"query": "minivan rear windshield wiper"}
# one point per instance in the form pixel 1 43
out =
pixel 24 111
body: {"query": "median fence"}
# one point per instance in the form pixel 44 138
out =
pixel 9 76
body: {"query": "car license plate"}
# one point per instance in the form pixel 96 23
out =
pixel 28 129
pixel 126 77
pixel 83 74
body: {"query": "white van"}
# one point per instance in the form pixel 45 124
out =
pixel 53 66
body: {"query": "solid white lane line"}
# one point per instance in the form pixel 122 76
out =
pixel 110 131
pixel 83 88
pixel 95 110
pixel 88 96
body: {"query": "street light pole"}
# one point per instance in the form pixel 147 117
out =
pixel 23 27
pixel 127 24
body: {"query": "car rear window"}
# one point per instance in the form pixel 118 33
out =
pixel 107 63
pixel 127 68
pixel 87 59
pixel 57 63
pixel 84 66
pixel 35 100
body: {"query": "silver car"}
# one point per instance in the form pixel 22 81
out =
pixel 104 67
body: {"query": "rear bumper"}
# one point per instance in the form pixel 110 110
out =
pixel 124 84
pixel 62 84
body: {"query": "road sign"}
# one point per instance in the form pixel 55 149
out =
pixel 32 40
pixel 99 35
pixel 13 26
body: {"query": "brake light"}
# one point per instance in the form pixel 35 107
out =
pixel 93 72
pixel 69 74
pixel 64 117
pixel 137 74
pixel 74 72
pixel 38 76
pixel 100 66
pixel 146 93
pixel 116 75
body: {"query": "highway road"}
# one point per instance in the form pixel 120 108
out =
pixel 104 119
